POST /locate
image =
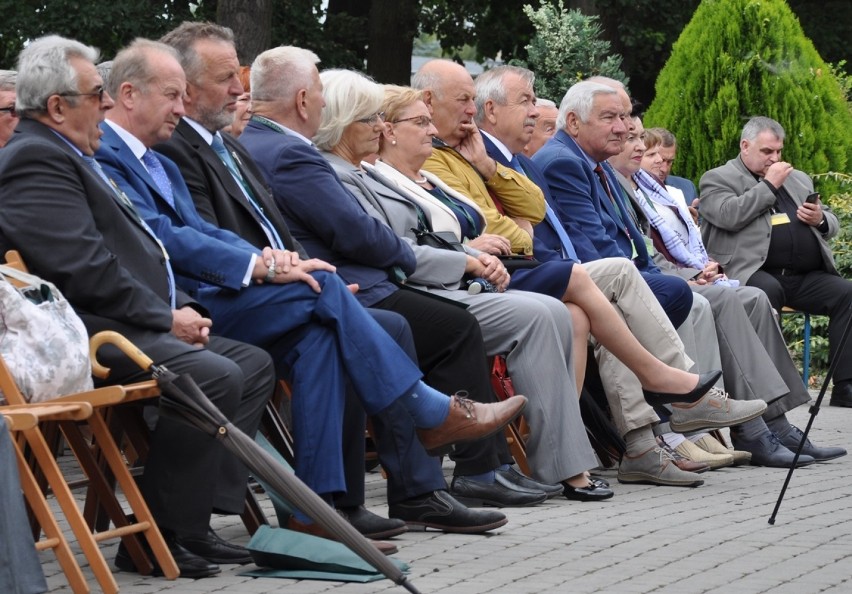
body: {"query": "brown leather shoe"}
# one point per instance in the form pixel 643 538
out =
pixel 387 548
pixel 469 421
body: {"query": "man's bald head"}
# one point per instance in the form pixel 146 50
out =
pixel 448 91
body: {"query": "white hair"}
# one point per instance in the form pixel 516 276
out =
pixel 44 69
pixel 349 96
pixel 579 100
pixel 279 73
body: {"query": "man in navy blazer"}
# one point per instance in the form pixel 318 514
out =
pixel 506 129
pixel 149 104
pixel 222 198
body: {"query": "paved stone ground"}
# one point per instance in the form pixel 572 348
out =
pixel 712 539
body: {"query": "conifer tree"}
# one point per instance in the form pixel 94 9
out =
pixel 740 58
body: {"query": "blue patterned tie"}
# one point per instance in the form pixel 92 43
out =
pixel 268 228
pixel 122 197
pixel 158 174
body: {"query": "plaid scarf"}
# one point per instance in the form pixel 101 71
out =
pixel 687 251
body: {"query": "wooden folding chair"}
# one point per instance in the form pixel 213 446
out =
pixel 103 463
pixel 23 421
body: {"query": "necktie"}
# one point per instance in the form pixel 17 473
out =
pixel 602 176
pixel 271 234
pixel 122 197
pixel 568 250
pixel 158 174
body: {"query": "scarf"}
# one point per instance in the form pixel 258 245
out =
pixel 687 251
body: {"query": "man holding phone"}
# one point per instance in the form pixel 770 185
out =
pixel 767 227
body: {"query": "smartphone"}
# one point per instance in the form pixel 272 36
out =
pixel 812 198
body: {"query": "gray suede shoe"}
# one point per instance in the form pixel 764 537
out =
pixel 714 411
pixel 655 466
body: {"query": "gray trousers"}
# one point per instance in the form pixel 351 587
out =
pixel 534 333
pixel 755 361
pixel 20 570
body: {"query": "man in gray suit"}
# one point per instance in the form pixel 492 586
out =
pixel 753 352
pixel 767 228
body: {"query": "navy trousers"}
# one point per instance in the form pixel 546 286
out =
pixel 318 342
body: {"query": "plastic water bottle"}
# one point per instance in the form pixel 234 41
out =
pixel 479 285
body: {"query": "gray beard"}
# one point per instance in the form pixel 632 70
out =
pixel 214 121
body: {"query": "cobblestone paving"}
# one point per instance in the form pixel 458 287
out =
pixel 714 539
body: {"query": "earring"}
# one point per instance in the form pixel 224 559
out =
pixel 393 142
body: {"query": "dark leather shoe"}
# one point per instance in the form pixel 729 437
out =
pixel 387 548
pixel 841 394
pixel 793 437
pixel 371 525
pixel 496 494
pixel 514 477
pixel 189 564
pixel 767 450
pixel 469 421
pixel 705 382
pixel 440 511
pixel 592 492
pixel 215 549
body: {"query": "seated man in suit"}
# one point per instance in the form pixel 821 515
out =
pixel 767 228
pixel 233 197
pixel 753 350
pixel 147 80
pixel 115 274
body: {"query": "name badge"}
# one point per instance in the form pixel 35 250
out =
pixel 780 218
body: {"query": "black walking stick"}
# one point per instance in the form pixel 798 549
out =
pixel 814 409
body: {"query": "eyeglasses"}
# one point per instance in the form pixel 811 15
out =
pixel 373 118
pixel 10 110
pixel 422 121
pixel 99 93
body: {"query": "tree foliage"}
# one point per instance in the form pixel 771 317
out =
pixel 108 26
pixel 566 48
pixel 739 58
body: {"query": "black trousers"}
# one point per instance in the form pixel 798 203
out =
pixel 817 293
pixel 452 356
pixel 188 473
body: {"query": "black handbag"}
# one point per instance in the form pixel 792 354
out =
pixel 443 240
pixel 513 263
